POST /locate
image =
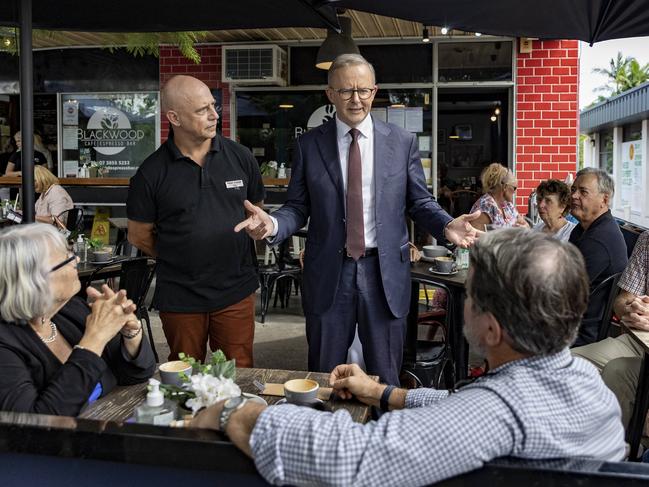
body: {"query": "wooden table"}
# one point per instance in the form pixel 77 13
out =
pixel 120 403
pixel 641 403
pixel 456 285
pixel 85 269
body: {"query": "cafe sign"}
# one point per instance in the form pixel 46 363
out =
pixel 108 133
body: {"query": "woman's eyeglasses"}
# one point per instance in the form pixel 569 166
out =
pixel 64 263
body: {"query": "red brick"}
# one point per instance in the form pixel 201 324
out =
pixel 524 157
pixel 570 62
pixel 551 97
pixel 561 71
pixel 178 69
pixel 543 71
pixel 551 80
pixel 550 132
pixel 558 53
pixel 531 80
pixel 165 69
pixel 543 123
pixel 532 97
pixel 561 106
pixel 525 141
pixel 560 89
pixel 569 79
pixel 568 97
pixel 553 62
pixel 561 123
pixel 541 53
pixel 542 106
pixel 542 89
pixel 542 140
pixel 532 63
pixel 523 175
pixel 567 149
pixel 533 115
pixel 524 123
pixel 541 175
pixel 554 44
pixel 525 72
pixel 531 149
pixel 525 89
pixel 561 140
pixel 549 149
pixel 532 132
pixel 567 132
pixel 569 43
pixel 540 159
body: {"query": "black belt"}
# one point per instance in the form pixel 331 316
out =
pixel 373 252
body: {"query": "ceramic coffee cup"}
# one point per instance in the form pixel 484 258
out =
pixel 444 264
pixel 433 251
pixel 170 372
pixel 301 391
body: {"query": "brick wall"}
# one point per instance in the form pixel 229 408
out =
pixel 546 114
pixel 172 62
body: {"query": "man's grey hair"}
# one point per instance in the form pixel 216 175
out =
pixel 605 183
pixel 24 286
pixel 345 60
pixel 534 285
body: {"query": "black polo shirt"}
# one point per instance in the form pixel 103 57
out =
pixel 604 251
pixel 17 159
pixel 203 265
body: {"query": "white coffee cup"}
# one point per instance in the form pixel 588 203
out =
pixel 170 372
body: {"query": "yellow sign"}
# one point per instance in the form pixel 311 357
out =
pixel 101 226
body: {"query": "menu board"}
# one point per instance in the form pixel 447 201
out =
pixel 630 185
pixel 108 133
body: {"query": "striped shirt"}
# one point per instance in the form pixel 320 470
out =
pixel 634 279
pixel 533 408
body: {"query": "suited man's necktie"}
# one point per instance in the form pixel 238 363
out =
pixel 355 242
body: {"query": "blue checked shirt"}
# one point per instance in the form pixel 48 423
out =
pixel 533 408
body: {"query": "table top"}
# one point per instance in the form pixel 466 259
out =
pixel 120 403
pixel 420 270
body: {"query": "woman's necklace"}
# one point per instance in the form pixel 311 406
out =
pixel 53 333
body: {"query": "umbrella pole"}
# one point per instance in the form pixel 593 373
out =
pixel 27 110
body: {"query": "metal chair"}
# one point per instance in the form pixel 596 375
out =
pixel 74 220
pixel 428 363
pixel 135 278
pixel 277 276
pixel 608 287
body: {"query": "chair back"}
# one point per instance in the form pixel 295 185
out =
pixel 608 290
pixel 462 200
pixel 74 219
pixel 135 278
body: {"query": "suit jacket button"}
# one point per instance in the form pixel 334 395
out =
pixel 340 251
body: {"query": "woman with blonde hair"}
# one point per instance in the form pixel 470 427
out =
pixel 53 199
pixel 496 205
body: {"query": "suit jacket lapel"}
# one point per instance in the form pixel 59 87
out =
pixel 383 151
pixel 328 145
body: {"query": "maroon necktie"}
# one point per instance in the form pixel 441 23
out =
pixel 355 227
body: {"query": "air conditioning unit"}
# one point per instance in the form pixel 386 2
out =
pixel 255 65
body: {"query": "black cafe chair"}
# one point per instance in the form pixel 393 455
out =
pixel 74 220
pixel 135 277
pixel 427 361
pixel 279 277
pixel 608 290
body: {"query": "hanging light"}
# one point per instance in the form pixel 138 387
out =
pixel 444 31
pixel 478 34
pixel 336 44
pixel 497 111
pixel 424 36
pixel 494 118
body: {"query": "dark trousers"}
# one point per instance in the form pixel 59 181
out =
pixel 230 329
pixel 359 300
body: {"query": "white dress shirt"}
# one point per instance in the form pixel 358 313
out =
pixel 366 145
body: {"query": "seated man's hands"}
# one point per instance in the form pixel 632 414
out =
pixel 636 313
pixel 258 224
pixel 349 380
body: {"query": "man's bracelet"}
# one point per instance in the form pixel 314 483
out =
pixel 130 336
pixel 385 398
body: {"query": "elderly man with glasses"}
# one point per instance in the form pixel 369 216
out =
pixel 526 294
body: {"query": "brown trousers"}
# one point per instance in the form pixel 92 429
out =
pixel 231 329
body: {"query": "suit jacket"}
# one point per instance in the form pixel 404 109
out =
pixel 316 194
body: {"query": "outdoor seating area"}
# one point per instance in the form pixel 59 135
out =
pixel 323 243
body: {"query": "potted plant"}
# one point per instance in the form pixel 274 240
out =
pixel 99 251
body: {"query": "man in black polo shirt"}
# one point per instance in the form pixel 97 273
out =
pixel 183 203
pixel 599 239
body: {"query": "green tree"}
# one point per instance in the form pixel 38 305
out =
pixel 623 73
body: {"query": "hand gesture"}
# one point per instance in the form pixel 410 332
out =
pixel 461 232
pixel 110 312
pixel 349 380
pixel 636 313
pixel 258 224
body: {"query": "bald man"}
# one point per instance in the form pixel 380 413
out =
pixel 182 204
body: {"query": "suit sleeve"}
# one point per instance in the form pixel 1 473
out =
pixel 294 214
pixel 421 205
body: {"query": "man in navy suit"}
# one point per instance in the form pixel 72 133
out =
pixel 354 179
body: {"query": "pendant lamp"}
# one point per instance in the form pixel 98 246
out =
pixel 336 44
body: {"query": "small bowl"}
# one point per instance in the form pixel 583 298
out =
pixel 101 255
pixel 433 251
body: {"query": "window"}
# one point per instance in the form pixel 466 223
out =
pixel 606 151
pixel 475 61
pixel 631 132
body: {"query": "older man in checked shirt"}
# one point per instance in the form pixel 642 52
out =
pixel 526 294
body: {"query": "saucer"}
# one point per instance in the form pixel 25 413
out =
pixel 317 404
pixel 431 259
pixel 433 271
pixel 254 398
pixel 99 262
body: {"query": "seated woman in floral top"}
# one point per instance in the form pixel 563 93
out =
pixel 497 203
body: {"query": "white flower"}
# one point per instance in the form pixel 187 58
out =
pixel 272 164
pixel 210 390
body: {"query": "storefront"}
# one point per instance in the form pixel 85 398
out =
pixel 618 142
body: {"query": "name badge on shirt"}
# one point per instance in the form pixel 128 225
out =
pixel 238 183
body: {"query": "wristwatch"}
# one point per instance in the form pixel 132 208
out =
pixel 230 406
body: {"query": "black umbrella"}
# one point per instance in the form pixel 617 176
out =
pixel 587 20
pixel 138 16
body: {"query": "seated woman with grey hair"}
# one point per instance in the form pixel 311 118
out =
pixel 553 203
pixel 57 352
